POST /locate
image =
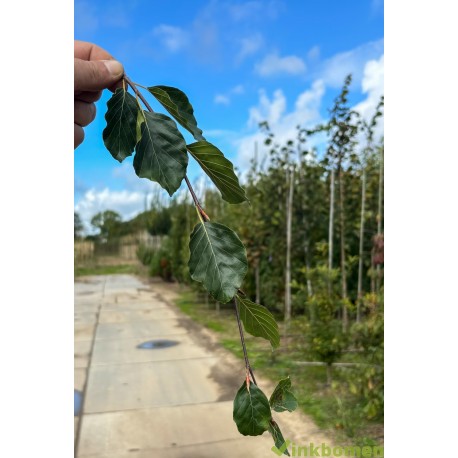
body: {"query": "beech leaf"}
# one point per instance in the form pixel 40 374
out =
pixel 120 135
pixel 282 398
pixel 258 321
pixel 251 410
pixel 219 169
pixel 218 259
pixel 161 152
pixel 176 102
pixel 280 443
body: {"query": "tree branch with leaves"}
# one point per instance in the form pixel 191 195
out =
pixel 218 258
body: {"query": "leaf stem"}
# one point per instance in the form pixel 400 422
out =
pixel 196 200
pixel 138 93
pixel 139 85
pixel 242 340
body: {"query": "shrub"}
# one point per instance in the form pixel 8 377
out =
pixel 160 264
pixel 145 254
pixel 368 381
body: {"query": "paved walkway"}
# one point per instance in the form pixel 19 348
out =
pixel 174 401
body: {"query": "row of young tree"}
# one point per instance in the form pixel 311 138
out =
pixel 310 215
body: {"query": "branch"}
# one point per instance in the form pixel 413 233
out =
pixel 205 218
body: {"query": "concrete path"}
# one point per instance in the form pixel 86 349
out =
pixel 174 401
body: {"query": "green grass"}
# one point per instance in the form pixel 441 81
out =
pixel 332 408
pixel 106 270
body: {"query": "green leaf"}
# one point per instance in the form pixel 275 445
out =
pixel 161 153
pixel 282 398
pixel 219 169
pixel 258 321
pixel 177 104
pixel 119 135
pixel 281 446
pixel 218 259
pixel 251 410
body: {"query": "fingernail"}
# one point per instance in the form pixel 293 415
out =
pixel 114 67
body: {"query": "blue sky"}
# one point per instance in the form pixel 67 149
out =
pixel 239 63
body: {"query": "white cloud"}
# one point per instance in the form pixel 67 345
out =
pixel 314 53
pixel 173 38
pixel 267 110
pixel 125 174
pixel 239 89
pixel 273 64
pixel 254 9
pixel 283 124
pixel 372 85
pixel 225 99
pixel 221 133
pixel 217 34
pixel 306 112
pixel 221 99
pixel 334 70
pixel 249 46
pixel 127 203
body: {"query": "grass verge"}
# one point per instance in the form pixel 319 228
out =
pixel 106 270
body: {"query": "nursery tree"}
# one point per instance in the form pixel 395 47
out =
pixel 368 129
pixel 78 226
pixel 107 222
pixel 341 129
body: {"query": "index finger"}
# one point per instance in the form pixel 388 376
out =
pixel 90 51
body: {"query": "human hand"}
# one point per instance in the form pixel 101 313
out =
pixel 95 70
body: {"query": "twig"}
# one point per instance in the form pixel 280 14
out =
pixel 242 339
pixel 138 93
pixel 196 200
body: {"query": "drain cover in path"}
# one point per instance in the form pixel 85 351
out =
pixel 78 402
pixel 157 344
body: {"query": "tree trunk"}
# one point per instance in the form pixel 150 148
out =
pixel 331 230
pixel 304 225
pixel 328 375
pixel 307 270
pixel 289 215
pixel 372 272
pixel 361 248
pixel 342 250
pixel 379 216
pixel 258 282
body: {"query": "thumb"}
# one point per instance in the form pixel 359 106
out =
pixel 95 75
